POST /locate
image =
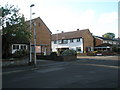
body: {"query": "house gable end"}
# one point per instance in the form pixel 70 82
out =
pixel 41 21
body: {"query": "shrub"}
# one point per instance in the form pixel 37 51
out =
pixel 114 49
pixel 118 51
pixel 53 54
pixel 94 51
pixel 68 52
pixel 20 53
pixel 42 53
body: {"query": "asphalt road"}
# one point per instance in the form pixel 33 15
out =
pixel 90 72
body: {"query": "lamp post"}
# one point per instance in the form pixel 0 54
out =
pixel 30 31
pixel 35 44
pixel 57 42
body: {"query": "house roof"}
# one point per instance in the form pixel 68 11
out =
pixel 104 45
pixel 103 38
pixel 70 35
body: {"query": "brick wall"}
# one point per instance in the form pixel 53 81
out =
pixel 88 40
pixel 43 34
pixel 15 62
pixel 98 42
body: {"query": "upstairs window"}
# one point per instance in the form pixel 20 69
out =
pixel 55 41
pixel 64 41
pixel 78 39
pixel 60 41
pixel 71 40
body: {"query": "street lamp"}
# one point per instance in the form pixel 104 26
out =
pixel 30 31
pixel 57 42
pixel 32 5
pixel 35 44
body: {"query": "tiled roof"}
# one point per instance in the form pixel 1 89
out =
pixel 103 38
pixel 69 35
pixel 104 45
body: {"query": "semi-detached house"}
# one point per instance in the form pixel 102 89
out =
pixel 79 40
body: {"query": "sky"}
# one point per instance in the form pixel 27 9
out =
pixel 99 16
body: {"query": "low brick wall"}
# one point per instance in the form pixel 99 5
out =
pixel 96 54
pixel 81 54
pixel 57 58
pixel 69 58
pixel 15 62
pixel 101 54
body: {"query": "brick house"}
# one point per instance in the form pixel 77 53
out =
pixel 43 40
pixel 43 36
pixel 79 40
pixel 104 44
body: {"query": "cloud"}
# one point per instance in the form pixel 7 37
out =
pixel 106 22
pixel 87 18
pixel 107 18
pixel 64 19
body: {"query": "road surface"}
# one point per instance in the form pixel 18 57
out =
pixel 99 72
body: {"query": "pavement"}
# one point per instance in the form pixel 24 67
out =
pixel 41 64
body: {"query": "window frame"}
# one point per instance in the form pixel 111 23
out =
pixel 55 41
pixel 71 40
pixel 78 39
pixel 64 41
pixel 15 47
pixel 77 49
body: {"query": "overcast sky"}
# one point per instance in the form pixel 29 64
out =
pixel 99 16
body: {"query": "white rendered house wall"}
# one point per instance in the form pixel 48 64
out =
pixel 75 44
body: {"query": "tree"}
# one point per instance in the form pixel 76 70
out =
pixel 109 35
pixel 13 25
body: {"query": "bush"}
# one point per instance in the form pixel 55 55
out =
pixel 115 49
pixel 68 52
pixel 53 54
pixel 118 51
pixel 20 53
pixel 94 51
